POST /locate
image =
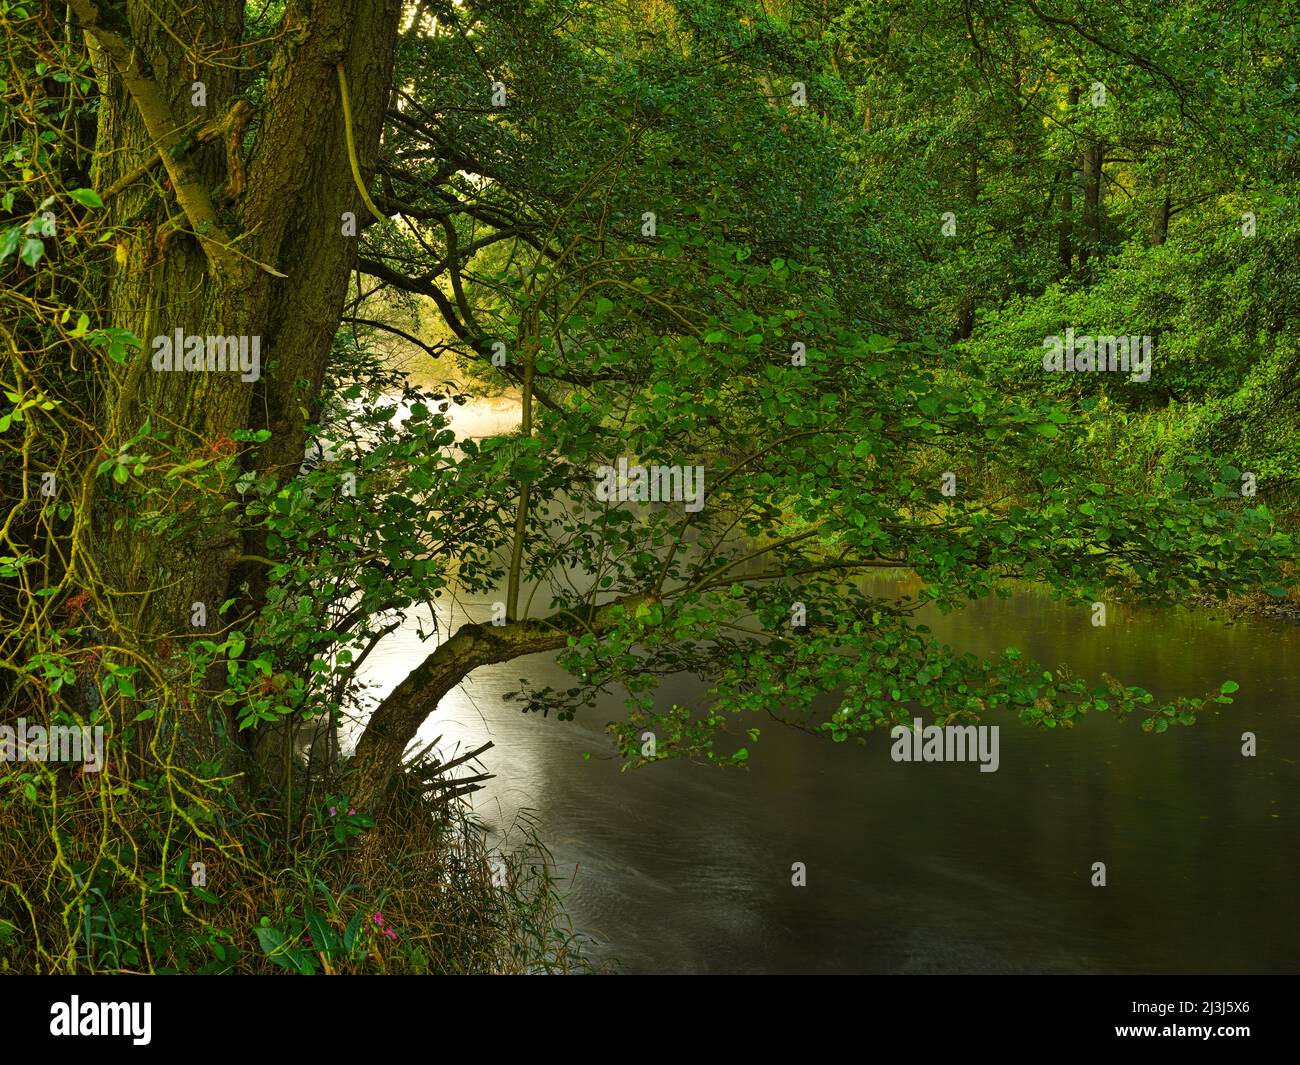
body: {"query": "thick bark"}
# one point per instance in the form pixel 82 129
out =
pixel 183 274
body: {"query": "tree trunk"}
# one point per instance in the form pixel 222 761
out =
pixel 966 310
pixel 1065 228
pixel 284 282
pixel 1093 160
pixel 1160 230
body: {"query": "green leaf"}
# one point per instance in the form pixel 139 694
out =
pixel 350 933
pixel 10 241
pixel 650 614
pixel 322 935
pixel 273 945
pixel 87 197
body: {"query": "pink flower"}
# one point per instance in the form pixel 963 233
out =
pixel 378 918
pixel 334 810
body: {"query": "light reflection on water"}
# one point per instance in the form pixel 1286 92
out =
pixel 929 867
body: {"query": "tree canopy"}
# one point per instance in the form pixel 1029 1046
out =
pixel 803 256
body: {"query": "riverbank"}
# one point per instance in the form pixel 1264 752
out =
pixel 1256 608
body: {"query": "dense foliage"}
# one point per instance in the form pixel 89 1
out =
pixel 813 250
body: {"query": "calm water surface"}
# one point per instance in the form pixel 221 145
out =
pixel 928 867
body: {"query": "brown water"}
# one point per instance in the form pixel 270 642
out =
pixel 929 867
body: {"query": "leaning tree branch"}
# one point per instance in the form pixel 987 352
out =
pixel 399 716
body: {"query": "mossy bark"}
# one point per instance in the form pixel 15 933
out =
pixel 207 266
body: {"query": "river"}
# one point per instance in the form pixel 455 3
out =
pixel 926 868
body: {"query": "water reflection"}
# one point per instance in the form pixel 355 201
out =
pixel 927 867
